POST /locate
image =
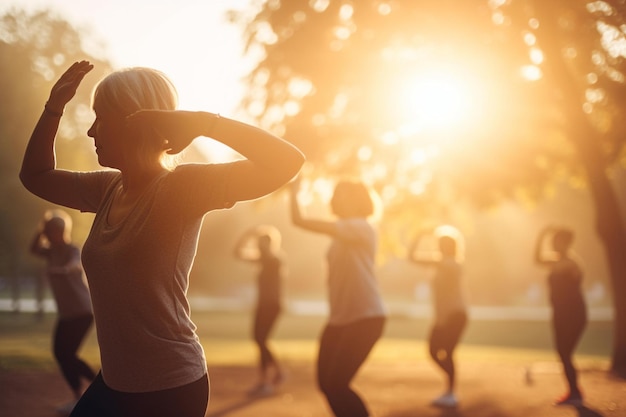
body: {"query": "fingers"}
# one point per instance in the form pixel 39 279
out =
pixel 65 88
pixel 77 71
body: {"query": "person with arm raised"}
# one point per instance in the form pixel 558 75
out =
pixel 144 236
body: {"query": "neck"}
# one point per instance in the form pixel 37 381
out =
pixel 134 181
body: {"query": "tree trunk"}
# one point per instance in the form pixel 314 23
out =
pixel 586 139
pixel 610 228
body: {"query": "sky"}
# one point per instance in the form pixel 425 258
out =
pixel 189 40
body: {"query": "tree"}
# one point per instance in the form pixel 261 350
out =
pixel 34 50
pixel 548 82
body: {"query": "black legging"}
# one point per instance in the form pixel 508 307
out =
pixel 568 326
pixel 99 400
pixel 342 351
pixel 443 340
pixel 69 333
pixel 264 320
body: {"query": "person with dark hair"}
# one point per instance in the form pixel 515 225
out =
pixel 449 302
pixel 569 311
pixel 261 245
pixel 53 242
pixel 357 313
pixel 144 236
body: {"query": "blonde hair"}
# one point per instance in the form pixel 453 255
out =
pixel 59 220
pixel 129 90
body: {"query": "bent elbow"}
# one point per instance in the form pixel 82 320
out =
pixel 25 179
pixel 295 163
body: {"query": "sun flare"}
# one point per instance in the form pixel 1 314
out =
pixel 436 101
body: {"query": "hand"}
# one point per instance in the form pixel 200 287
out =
pixel 179 128
pixel 65 87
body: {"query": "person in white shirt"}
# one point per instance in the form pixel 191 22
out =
pixel 357 314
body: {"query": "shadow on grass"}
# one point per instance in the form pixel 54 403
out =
pixel 484 409
pixel 588 412
pixel 237 405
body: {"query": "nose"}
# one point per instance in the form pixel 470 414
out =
pixel 92 130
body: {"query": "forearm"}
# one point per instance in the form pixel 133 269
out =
pixel 36 245
pixel 538 252
pixel 312 225
pixel 260 147
pixel 237 250
pixel 39 156
pixel 294 207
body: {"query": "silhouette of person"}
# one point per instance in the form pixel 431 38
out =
pixel 53 242
pixel 449 302
pixel 144 236
pixel 569 311
pixel 357 313
pixel 265 252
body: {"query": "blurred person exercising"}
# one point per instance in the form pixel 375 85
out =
pixel 569 311
pixel 266 253
pixel 53 242
pixel 449 300
pixel 357 313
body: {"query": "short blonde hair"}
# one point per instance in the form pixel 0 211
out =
pixel 129 90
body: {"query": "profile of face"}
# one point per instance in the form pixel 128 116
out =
pixel 109 138
pixel 119 95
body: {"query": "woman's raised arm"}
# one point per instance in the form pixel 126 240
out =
pixel 312 225
pixel 270 161
pixel 39 174
pixel 541 258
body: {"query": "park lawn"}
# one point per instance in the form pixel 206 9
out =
pixel 506 369
pixel 25 341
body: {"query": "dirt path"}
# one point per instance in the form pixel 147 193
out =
pixel 391 390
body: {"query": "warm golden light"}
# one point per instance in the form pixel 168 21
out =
pixel 435 102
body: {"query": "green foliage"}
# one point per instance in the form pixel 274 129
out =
pixel 342 66
pixel 34 50
pixel 548 91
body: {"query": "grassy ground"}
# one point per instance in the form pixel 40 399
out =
pixel 506 369
pixel 25 339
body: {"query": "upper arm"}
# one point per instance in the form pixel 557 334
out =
pixel 207 187
pixel 248 181
pixel 78 190
pixel 424 260
pixel 56 186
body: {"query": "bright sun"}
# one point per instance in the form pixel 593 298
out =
pixel 435 102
